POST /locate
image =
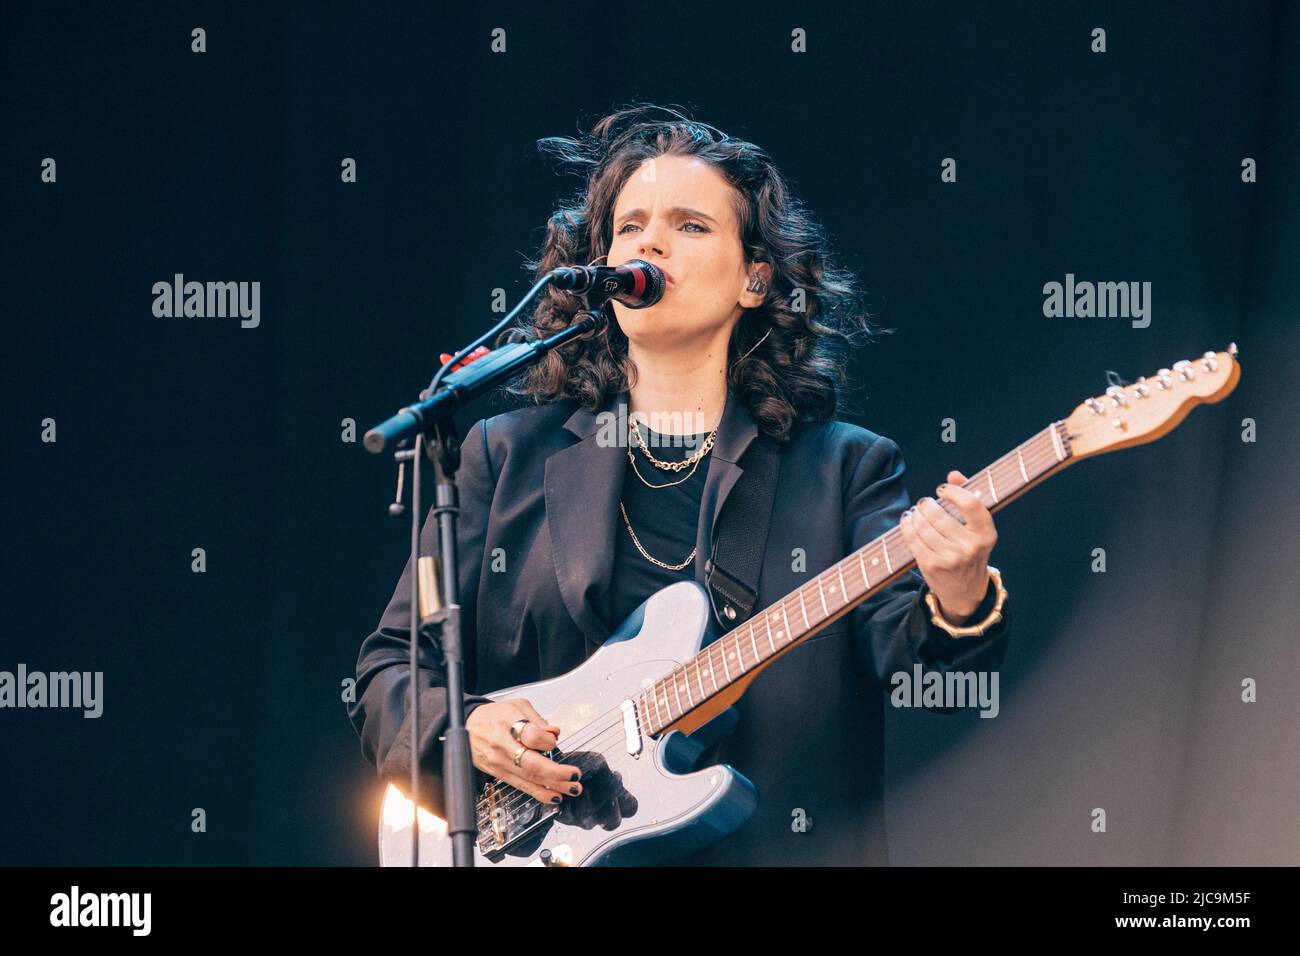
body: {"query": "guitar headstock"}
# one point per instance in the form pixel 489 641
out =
pixel 1148 408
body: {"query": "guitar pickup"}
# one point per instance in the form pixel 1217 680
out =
pixel 631 727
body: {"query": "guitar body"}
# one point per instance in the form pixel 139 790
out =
pixel 665 808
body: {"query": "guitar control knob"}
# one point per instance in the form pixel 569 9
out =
pixel 562 856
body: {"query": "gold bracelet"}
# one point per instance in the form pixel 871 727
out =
pixel 970 630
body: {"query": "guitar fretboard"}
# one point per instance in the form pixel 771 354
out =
pixel 832 593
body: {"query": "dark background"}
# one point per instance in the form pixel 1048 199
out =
pixel 222 690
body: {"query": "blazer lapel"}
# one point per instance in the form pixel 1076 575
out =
pixel 736 432
pixel 583 485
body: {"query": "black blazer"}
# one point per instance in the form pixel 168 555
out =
pixel 539 512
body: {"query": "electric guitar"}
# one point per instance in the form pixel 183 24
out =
pixel 633 703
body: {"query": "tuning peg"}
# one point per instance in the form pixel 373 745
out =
pixel 1209 361
pixel 1184 369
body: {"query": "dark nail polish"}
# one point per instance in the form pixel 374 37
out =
pixel 555 799
pixel 573 776
pixel 573 790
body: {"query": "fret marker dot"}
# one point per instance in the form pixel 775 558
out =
pixel 875 560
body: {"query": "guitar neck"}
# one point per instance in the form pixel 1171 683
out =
pixel 737 656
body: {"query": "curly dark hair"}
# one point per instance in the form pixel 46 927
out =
pixel 813 308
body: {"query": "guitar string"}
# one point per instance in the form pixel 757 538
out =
pixel 612 730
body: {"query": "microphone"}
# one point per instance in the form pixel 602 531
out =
pixel 635 283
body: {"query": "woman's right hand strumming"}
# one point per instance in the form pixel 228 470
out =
pixel 494 750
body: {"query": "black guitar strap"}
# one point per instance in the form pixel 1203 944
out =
pixel 732 572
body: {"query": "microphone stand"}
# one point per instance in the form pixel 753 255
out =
pixel 413 425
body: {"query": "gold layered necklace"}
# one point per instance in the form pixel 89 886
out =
pixel 646 554
pixel 692 462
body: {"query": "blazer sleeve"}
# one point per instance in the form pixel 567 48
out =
pixel 380 712
pixel 892 629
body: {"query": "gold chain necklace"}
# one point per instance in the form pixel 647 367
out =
pixel 646 554
pixel 672 465
pixel 666 484
pixel 693 462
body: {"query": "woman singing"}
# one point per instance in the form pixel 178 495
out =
pixel 563 533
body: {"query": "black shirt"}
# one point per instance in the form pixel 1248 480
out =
pixel 665 520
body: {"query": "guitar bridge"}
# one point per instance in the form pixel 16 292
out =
pixel 505 815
